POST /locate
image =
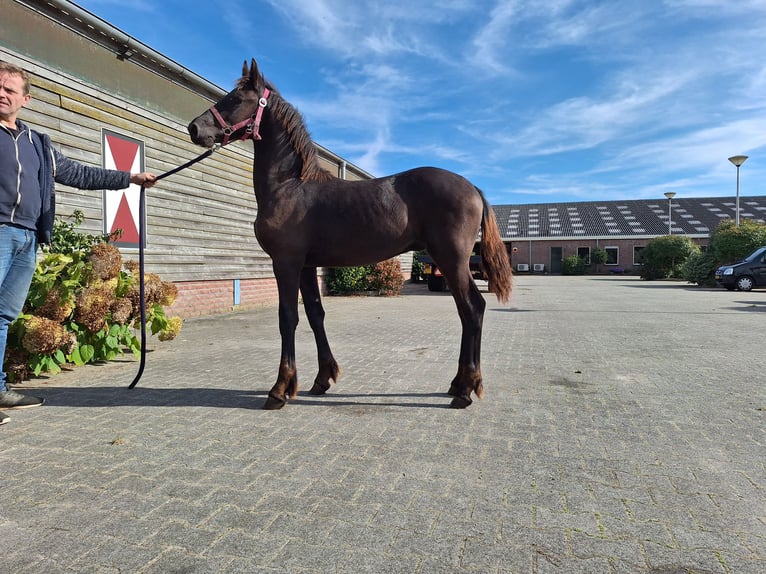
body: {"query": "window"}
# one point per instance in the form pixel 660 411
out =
pixel 612 255
pixel 584 253
pixel 637 255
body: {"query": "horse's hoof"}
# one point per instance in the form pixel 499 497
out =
pixel 319 388
pixel 453 390
pixel 274 404
pixel 460 402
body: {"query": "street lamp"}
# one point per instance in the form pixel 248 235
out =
pixel 670 195
pixel 737 160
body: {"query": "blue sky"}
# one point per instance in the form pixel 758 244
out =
pixel 534 101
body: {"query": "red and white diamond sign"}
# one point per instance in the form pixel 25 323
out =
pixel 121 206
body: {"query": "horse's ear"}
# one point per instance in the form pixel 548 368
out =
pixel 254 71
pixel 244 69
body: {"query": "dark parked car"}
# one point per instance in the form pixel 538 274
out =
pixel 746 274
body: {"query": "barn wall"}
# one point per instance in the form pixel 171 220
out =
pixel 199 222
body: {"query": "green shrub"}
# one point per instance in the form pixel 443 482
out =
pixel 344 280
pixel 418 267
pixel 573 265
pixel 700 268
pixel 385 278
pixel 665 256
pixel 65 238
pixel 599 257
pixel 82 306
pixel 730 243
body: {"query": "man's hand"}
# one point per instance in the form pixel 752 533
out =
pixel 145 178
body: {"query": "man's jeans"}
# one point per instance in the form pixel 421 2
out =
pixel 17 266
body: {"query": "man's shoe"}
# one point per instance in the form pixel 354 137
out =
pixel 4 418
pixel 12 400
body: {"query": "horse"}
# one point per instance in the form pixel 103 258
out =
pixel 309 218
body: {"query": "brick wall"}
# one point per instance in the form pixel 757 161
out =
pixel 539 251
pixel 197 298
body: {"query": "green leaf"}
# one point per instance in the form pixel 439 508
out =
pixel 76 358
pixel 87 352
pixel 53 367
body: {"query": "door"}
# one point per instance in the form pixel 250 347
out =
pixel 759 269
pixel 557 255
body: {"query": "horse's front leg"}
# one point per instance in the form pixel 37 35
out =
pixel 286 387
pixel 329 371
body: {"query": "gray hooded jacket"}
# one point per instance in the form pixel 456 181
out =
pixel 30 202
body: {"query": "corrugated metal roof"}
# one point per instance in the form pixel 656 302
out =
pixel 696 217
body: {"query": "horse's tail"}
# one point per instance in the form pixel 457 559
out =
pixel 494 257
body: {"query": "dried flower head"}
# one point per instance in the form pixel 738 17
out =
pixel 17 364
pixel 92 307
pixel 168 293
pixel 152 292
pixel 171 331
pixel 70 344
pixel 131 266
pixel 152 288
pixel 43 336
pixel 106 260
pixel 122 310
pixel 56 306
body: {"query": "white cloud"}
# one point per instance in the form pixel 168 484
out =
pixel 490 44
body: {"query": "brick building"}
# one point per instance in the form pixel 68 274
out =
pixel 539 236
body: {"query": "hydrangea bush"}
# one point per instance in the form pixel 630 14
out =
pixel 83 306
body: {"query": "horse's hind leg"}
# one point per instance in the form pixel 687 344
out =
pixel 470 306
pixel 312 303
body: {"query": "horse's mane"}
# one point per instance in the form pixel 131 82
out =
pixel 298 135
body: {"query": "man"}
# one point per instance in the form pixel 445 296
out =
pixel 29 165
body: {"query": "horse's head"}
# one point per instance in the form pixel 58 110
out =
pixel 235 116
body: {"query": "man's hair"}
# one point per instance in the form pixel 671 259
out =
pixel 9 68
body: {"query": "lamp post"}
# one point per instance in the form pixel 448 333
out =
pixel 670 195
pixel 737 160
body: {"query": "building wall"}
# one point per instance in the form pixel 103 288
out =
pixel 541 251
pixel 220 296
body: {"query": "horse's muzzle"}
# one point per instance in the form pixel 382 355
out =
pixel 200 135
pixel 194 133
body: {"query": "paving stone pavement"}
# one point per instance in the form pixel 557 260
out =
pixel 622 431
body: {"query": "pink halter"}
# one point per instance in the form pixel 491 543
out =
pixel 251 124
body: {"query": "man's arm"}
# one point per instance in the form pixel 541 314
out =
pixel 81 176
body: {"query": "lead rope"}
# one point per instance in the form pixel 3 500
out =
pixel 141 241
